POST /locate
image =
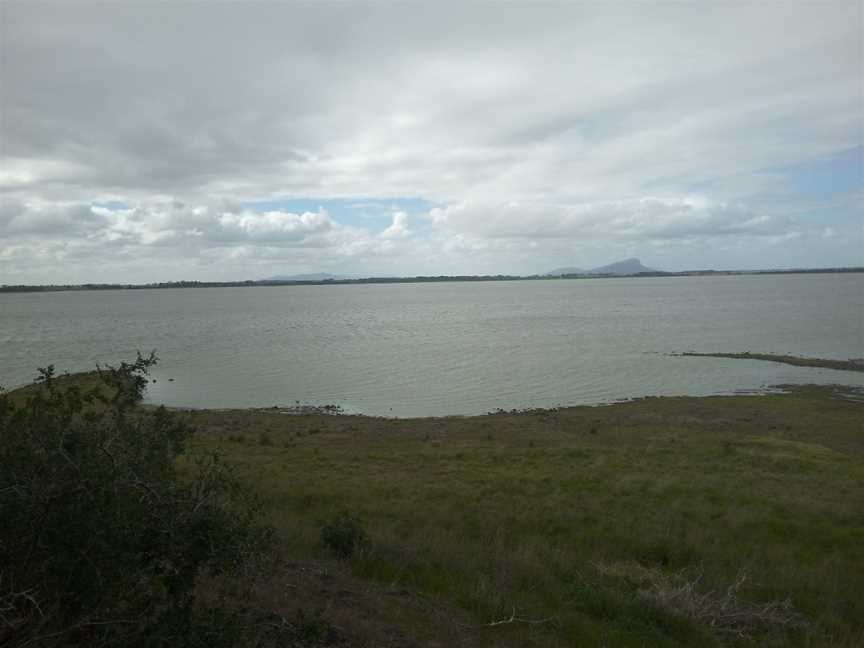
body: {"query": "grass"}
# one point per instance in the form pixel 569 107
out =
pixel 661 522
pixel 798 361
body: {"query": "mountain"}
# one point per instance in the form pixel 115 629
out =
pixel 310 276
pixel 625 267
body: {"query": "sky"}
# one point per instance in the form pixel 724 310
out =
pixel 144 142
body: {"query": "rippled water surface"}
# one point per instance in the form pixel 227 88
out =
pixel 445 348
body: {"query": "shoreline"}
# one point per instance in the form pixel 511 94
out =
pixel 853 392
pixel 852 364
pixel 840 391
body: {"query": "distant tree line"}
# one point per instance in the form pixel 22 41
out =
pixel 391 280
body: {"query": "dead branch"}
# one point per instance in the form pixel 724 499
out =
pixel 515 619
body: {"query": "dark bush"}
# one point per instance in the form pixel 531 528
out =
pixel 101 540
pixel 343 535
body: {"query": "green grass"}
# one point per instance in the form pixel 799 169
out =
pixel 660 522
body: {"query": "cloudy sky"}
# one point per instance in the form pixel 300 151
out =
pixel 153 142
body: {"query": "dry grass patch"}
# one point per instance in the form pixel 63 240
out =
pixel 724 612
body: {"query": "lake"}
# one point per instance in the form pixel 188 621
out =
pixel 445 348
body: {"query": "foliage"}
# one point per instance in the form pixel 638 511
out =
pixel 102 540
pixel 343 535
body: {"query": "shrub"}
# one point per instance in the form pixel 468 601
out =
pixel 343 535
pixel 101 540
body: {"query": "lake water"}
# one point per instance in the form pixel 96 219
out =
pixel 445 348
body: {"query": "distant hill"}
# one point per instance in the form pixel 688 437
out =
pixel 310 276
pixel 625 267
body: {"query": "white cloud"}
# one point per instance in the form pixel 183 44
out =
pixel 638 219
pixel 274 226
pixel 563 124
pixel 399 227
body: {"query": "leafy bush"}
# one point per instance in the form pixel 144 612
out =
pixel 343 535
pixel 102 541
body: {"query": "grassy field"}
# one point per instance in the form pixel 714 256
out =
pixel 732 520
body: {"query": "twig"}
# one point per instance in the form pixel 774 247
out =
pixel 514 619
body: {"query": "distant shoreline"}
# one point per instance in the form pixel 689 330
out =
pixel 26 288
pixel 797 361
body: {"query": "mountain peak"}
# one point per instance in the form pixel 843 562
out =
pixel 625 267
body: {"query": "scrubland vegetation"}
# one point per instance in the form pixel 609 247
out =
pixel 659 522
pixel 103 542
